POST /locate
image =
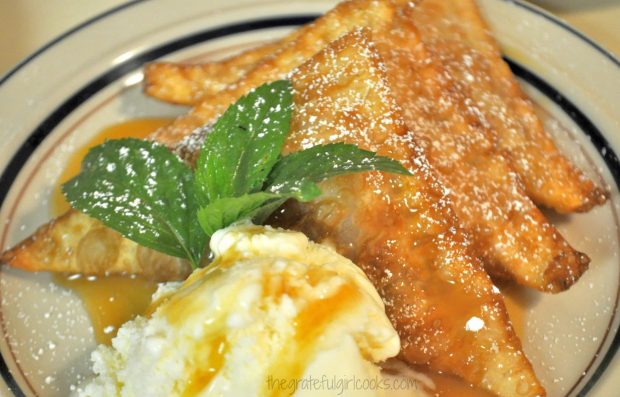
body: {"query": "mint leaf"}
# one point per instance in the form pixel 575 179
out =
pixel 143 191
pixel 256 206
pixel 296 172
pixel 293 176
pixel 261 215
pixel 244 143
pixel 150 196
pixel 223 212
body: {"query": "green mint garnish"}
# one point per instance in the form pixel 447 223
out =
pixel 149 195
pixel 244 143
pixel 298 172
pixel 226 211
pixel 143 191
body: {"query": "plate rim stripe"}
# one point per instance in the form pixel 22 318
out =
pixel 35 138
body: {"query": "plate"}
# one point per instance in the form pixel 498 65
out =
pixel 64 94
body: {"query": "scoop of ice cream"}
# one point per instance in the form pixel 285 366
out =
pixel 274 313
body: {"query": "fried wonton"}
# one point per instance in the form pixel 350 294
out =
pixel 401 230
pixel 76 243
pixel 454 32
pixel 185 84
pixel 510 233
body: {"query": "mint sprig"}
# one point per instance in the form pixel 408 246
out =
pixel 226 211
pixel 295 172
pixel 244 143
pixel 143 191
pixel 146 193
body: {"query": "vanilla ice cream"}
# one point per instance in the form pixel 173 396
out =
pixel 272 314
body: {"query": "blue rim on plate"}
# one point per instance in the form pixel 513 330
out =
pixel 37 136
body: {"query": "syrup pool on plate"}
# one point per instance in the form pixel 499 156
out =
pixel 450 386
pixel 109 300
pixel 113 300
pixel 138 128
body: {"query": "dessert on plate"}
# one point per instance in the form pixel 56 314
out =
pixel 421 82
pixel 272 306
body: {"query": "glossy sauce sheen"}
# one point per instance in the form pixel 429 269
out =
pixel 110 301
pixel 310 324
pixel 517 302
pixel 113 300
pixel 450 386
pixel 138 128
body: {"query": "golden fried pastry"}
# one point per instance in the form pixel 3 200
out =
pixel 401 230
pixel 24 255
pixel 76 243
pixel 510 233
pixel 454 33
pixel 293 50
pixel 192 84
pixel 185 84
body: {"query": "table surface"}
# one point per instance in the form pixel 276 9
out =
pixel 26 25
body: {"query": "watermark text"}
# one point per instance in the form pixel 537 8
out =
pixel 340 384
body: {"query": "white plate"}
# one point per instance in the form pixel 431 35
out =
pixel 89 78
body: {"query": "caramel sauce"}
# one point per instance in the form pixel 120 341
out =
pixel 451 386
pixel 211 363
pixel 113 300
pixel 310 324
pixel 138 128
pixel 313 319
pixel 462 307
pixel 208 356
pixel 181 305
pixel 109 300
pixel 517 301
